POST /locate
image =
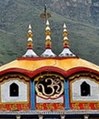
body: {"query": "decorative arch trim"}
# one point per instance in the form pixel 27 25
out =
pixel 35 72
pixel 50 69
pixel 76 70
pixel 15 71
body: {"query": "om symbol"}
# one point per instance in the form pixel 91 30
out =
pixel 49 87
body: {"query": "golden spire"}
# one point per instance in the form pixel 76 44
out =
pixel 65 38
pixel 30 52
pixel 30 36
pixel 48 34
pixel 48 44
pixel 66 51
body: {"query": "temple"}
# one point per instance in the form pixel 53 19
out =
pixel 49 86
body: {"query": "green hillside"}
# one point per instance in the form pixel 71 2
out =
pixel 17 14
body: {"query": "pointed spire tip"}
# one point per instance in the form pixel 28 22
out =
pixel 30 27
pixel 64 26
pixel 47 22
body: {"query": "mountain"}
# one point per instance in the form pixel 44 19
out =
pixel 80 10
pixel 16 15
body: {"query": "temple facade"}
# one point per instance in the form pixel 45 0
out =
pixel 49 86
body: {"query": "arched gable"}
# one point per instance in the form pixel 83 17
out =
pixel 84 88
pixel 77 70
pixel 14 92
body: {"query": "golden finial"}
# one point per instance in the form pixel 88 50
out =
pixel 65 38
pixel 30 52
pixel 29 35
pixel 48 44
pixel 66 51
pixel 48 33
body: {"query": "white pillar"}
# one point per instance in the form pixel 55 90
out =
pixel 40 116
pixel 62 116
pixel 18 117
pixel 86 117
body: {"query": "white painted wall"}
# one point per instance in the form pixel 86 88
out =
pixel 41 100
pixel 94 88
pixel 5 94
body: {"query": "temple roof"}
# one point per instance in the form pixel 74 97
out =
pixel 65 63
pixel 59 65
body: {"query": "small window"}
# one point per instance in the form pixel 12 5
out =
pixel 14 90
pixel 85 89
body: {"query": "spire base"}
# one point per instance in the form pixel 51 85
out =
pixel 66 53
pixel 30 53
pixel 48 53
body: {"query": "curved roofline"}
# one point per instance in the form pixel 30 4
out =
pixel 16 70
pixel 49 69
pixel 75 70
pixel 34 73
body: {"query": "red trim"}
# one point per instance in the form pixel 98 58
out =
pixel 80 69
pixel 48 47
pixel 84 105
pixel 66 46
pixel 50 106
pixel 44 58
pixel 35 72
pixel 14 106
pixel 16 70
pixel 49 69
pixel 29 48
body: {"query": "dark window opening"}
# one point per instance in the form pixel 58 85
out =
pixel 14 90
pixel 85 89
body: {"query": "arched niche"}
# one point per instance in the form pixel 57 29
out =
pixel 85 89
pixel 14 90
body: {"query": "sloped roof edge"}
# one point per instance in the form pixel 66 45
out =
pixel 49 69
